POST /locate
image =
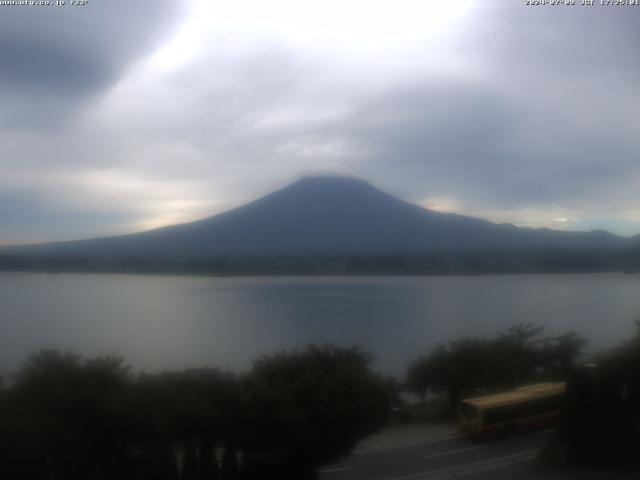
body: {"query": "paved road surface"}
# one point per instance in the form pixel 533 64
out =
pixel 414 454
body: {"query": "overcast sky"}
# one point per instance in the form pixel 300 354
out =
pixel 125 115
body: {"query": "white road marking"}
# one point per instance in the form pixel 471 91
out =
pixel 473 467
pixel 335 470
pixel 486 468
pixel 453 452
pixel 496 465
pixel 444 438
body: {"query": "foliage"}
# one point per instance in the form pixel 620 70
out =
pixel 514 357
pixel 601 424
pixel 315 404
pixel 66 416
pixel 74 418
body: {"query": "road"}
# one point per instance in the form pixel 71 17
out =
pixel 447 455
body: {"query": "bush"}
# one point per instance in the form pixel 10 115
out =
pixel 71 418
pixel 514 357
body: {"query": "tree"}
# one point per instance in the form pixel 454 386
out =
pixel 310 407
pixel 514 357
pixel 601 424
pixel 519 348
pixel 70 416
pixel 418 378
pixel 209 469
pixel 74 418
pixel 190 408
pixel 230 468
pixel 559 354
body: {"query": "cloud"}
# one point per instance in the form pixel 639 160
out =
pixel 54 59
pixel 515 114
pixel 545 122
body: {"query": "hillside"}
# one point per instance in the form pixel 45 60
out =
pixel 328 216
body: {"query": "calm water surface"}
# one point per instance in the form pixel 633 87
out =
pixel 159 322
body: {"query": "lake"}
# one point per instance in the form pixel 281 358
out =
pixel 159 322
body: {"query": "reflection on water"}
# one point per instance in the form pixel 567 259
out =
pixel 172 322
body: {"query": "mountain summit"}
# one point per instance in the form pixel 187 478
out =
pixel 327 216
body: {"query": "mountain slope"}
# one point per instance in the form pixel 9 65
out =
pixel 327 216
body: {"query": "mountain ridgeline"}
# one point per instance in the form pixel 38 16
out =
pixel 334 218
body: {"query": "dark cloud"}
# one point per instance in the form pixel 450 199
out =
pixel 546 119
pixel 55 58
pixel 589 42
pixel 478 142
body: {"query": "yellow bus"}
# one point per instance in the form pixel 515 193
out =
pixel 524 408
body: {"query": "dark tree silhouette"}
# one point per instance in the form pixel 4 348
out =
pixel 514 357
pixel 70 418
pixel 190 460
pixel 230 468
pixel 310 407
pixel 601 425
pixel 209 469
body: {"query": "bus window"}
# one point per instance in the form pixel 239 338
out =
pixel 502 414
pixel 468 411
pixel 526 407
pixel 523 410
